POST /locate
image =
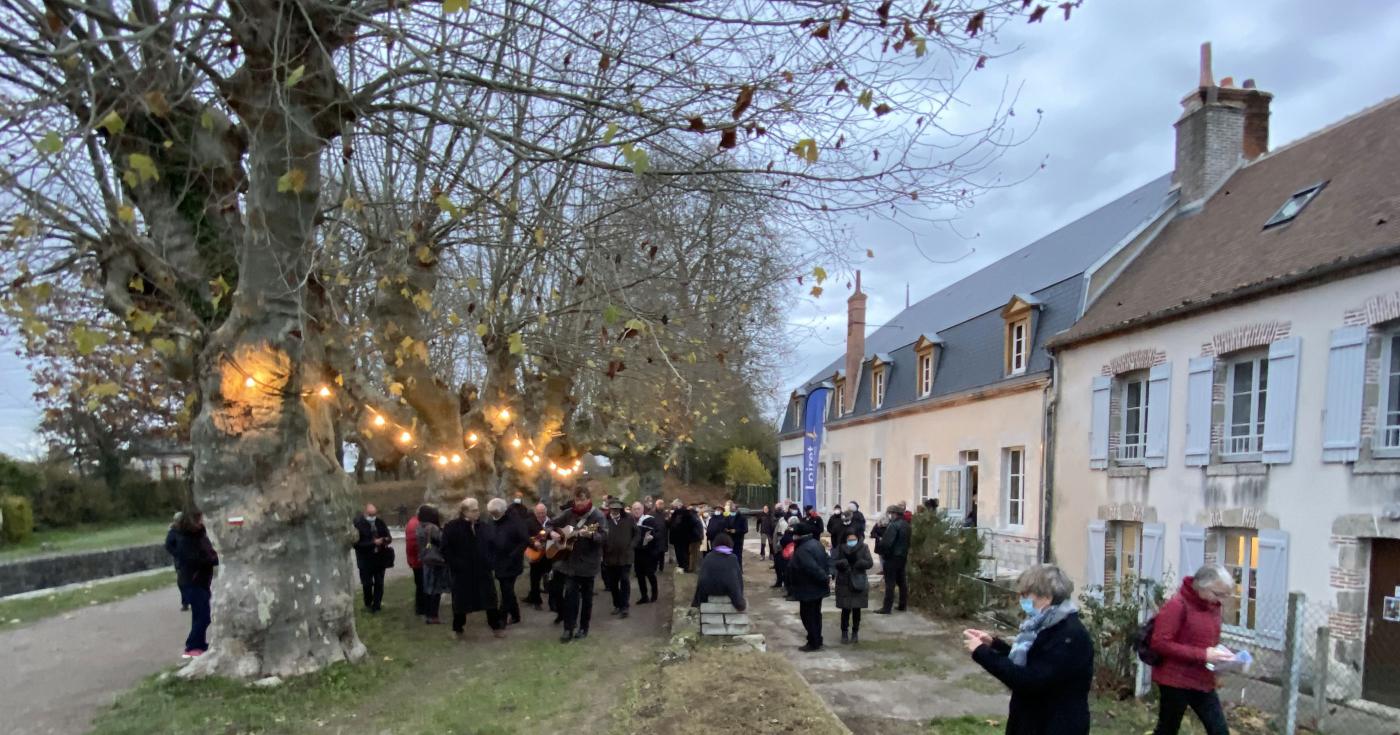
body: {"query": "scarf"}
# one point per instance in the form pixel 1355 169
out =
pixel 1031 627
pixel 583 509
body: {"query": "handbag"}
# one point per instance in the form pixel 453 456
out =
pixel 860 582
pixel 789 549
pixel 386 556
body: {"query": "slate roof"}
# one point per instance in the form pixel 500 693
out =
pixel 1223 251
pixel 967 315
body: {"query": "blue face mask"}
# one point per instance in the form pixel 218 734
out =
pixel 1027 606
pixel 851 542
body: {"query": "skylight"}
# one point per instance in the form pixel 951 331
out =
pixel 1294 205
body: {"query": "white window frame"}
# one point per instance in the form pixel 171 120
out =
pixel 925 374
pixel 836 479
pixel 922 479
pixel 1115 536
pixel 1216 537
pixel 1018 346
pixel 821 484
pixel 877 387
pixel 794 483
pixel 840 398
pixel 1387 432
pixel 1132 453
pixel 877 484
pixel 1013 503
pixel 1248 447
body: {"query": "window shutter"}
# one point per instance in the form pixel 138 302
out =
pixel 1346 378
pixel 1154 546
pixel 1201 374
pixel 1098 423
pixel 1093 577
pixel 1281 411
pixel 1271 592
pixel 1159 403
pixel 1193 550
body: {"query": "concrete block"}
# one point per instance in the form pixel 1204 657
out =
pixel 716 607
pixel 754 640
pixel 736 619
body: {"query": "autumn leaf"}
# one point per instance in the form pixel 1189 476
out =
pixel 728 138
pixel 293 181
pixel 981 62
pixel 112 123
pixel 816 291
pixel 126 214
pixel 882 109
pixel 425 255
pixel 396 388
pixel 743 101
pixel 611 314
pixel 164 345
pixel 206 120
pixel 218 289
pixel 697 124
pixel 609 133
pixel 539 237
pixel 866 99
pixel 842 86
pixel 143 321
pixel 455 6
pixel 920 47
pixel 819 273
pixel 636 324
pixel 142 169
pixel 806 149
pixel 295 77
pixel 87 340
pixel 481 330
pixel 517 343
pixel 423 300
pixel 869 253
pixel 974 24
pixel 155 102
pixel 1038 15
pixel 823 31
pixel 49 144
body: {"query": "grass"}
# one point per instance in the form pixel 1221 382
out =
pixel 28 610
pixel 87 537
pixel 415 680
pixel 1110 717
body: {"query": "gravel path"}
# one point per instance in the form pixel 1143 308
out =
pixel 60 672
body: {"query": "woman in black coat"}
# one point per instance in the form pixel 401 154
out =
pixel 506 540
pixel 809 579
pixel 466 547
pixel 1050 666
pixel 195 559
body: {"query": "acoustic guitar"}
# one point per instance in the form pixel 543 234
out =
pixel 559 549
pixel 534 551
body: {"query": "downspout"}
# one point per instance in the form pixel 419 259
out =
pixel 1050 403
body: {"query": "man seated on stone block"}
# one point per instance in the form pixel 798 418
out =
pixel 720 575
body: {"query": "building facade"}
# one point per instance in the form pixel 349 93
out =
pixel 1231 393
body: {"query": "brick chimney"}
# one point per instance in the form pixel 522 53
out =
pixel 1220 127
pixel 855 343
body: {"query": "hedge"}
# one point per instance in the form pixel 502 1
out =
pixel 17 516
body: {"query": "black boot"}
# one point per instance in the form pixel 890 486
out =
pixel 855 636
pixel 845 638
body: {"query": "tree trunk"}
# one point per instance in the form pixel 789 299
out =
pixel 276 502
pixel 361 461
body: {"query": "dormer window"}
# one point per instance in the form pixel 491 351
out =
pixel 840 398
pixel 926 359
pixel 877 386
pixel 1019 317
pixel 1294 205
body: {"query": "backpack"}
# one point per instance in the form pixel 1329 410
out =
pixel 1141 642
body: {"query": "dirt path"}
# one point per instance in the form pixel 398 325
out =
pixel 906 670
pixel 59 672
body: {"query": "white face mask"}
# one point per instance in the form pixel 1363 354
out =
pixel 371 519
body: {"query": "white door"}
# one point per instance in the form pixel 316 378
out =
pixel 952 489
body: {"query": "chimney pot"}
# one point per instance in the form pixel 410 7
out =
pixel 1249 84
pixel 1219 126
pixel 1207 78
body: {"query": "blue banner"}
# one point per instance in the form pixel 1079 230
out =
pixel 813 420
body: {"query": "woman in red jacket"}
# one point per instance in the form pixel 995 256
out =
pixel 1187 635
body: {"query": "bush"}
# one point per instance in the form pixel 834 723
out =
pixel 743 467
pixel 17 516
pixel 18 478
pixel 1111 617
pixel 139 496
pixel 940 553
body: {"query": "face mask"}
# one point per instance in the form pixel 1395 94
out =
pixel 1027 606
pixel 516 501
pixel 371 519
pixel 850 542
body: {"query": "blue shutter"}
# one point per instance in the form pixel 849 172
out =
pixel 1280 412
pixel 1098 423
pixel 1199 379
pixel 1271 587
pixel 1093 577
pixel 1346 378
pixel 1193 550
pixel 1154 546
pixel 1159 403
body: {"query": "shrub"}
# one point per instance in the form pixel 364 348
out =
pixel 18 519
pixel 1111 616
pixel 18 478
pixel 138 496
pixel 743 467
pixel 941 553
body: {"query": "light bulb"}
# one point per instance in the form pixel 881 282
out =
pixel 249 383
pixel 505 414
pixel 324 392
pixel 442 460
pixel 456 459
pixel 379 421
pixel 405 437
pixel 472 437
pixel 553 466
pixel 515 443
pixel 526 461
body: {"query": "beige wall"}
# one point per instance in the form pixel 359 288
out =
pixel 1309 499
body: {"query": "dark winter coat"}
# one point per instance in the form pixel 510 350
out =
pixel 621 540
pixel 436 577
pixel 1186 626
pixel 369 555
pixel 467 551
pixel 839 528
pixel 1050 694
pixel 195 559
pixel 172 538
pixel 767 521
pixel 809 573
pixel 586 558
pixel 894 542
pixel 852 585
pixel 720 577
pixel 661 529
pixel 505 540
pixel 657 547
pixel 735 525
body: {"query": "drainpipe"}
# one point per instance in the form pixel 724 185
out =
pixel 1050 403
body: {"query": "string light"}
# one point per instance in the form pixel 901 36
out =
pixel 456 459
pixel 553 466
pixel 324 392
pixel 379 420
pixel 527 461
pixel 505 414
pixel 442 460
pixel 472 437
pixel 515 442
pixel 405 437
pixel 250 383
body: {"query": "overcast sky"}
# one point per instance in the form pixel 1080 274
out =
pixel 1109 83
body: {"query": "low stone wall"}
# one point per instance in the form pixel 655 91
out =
pixel 27 575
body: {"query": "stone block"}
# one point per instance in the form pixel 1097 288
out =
pixel 716 607
pixel 736 619
pixel 754 640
